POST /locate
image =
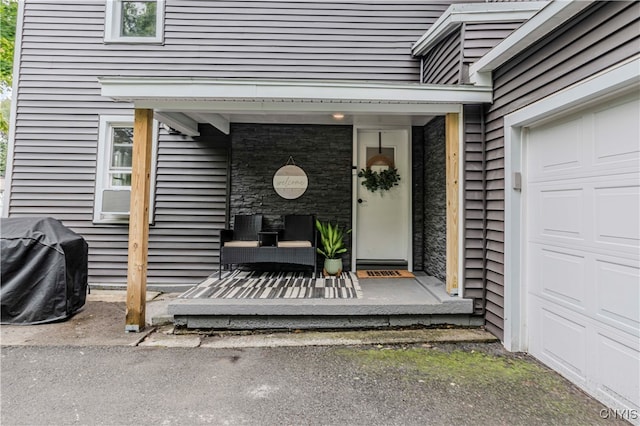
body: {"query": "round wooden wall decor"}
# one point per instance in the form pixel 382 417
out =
pixel 290 182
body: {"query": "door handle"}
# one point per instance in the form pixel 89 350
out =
pixel 360 201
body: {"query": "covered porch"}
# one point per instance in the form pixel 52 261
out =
pixel 186 104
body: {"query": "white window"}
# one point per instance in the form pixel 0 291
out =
pixel 113 171
pixel 140 21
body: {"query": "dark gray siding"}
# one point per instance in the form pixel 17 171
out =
pixel 356 40
pixel 449 60
pixel 603 35
pixel 479 38
pixel 442 64
pixel 474 206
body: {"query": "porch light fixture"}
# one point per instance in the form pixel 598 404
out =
pixel 338 115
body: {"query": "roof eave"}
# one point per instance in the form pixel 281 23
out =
pixel 283 95
pixel 457 14
pixel 548 19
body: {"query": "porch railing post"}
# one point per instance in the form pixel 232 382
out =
pixel 452 136
pixel 139 221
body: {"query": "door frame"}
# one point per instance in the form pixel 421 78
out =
pixel 611 83
pixel 354 186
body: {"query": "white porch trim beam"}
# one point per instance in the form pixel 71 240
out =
pixel 167 91
pixel 178 121
pixel 216 120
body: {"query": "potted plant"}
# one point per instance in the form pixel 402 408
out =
pixel 332 239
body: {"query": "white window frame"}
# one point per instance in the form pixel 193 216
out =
pixel 113 20
pixel 107 123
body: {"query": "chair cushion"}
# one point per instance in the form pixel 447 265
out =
pixel 239 243
pixel 294 244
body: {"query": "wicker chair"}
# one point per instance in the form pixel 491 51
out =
pixel 296 242
pixel 245 229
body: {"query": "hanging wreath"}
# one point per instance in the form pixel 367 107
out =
pixel 384 180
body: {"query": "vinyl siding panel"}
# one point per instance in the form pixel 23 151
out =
pixel 480 38
pixel 474 206
pixel 449 60
pixel 442 64
pixel 358 40
pixel 601 36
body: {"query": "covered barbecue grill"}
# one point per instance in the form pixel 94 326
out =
pixel 44 270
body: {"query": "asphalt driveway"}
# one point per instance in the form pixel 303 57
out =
pixel 88 371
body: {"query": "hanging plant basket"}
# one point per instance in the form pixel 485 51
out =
pixel 383 180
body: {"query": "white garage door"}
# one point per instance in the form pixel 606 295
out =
pixel 582 250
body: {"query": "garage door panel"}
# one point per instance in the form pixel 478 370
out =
pixel 557 158
pixel 616 215
pixel 620 124
pixel 617 369
pixel 618 301
pixel 563 341
pixel 561 213
pixel 561 276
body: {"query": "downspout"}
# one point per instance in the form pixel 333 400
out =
pixel 421 69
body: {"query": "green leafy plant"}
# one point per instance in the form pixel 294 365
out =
pixel 332 238
pixel 384 180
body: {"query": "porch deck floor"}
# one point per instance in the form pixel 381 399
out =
pixel 384 302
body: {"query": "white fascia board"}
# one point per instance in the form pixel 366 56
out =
pixel 457 14
pixel 546 20
pixel 266 108
pixel 178 121
pixel 147 91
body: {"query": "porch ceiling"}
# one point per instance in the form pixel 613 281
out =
pixel 182 103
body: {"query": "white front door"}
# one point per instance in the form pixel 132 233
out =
pixel 383 225
pixel 583 249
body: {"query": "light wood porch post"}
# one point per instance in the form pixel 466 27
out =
pixel 452 136
pixel 139 221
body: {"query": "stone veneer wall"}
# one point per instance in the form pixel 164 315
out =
pixel 417 188
pixel 323 152
pixel 435 202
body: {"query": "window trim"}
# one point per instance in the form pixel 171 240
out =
pixel 105 131
pixel 113 20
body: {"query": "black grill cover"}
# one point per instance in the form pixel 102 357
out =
pixel 44 270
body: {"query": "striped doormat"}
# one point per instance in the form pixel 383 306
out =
pixel 275 285
pixel 395 273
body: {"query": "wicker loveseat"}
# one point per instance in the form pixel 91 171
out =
pixel 247 243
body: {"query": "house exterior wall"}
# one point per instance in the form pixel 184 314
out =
pixel 474 206
pixel 359 40
pixel 442 64
pixel 59 106
pixel 449 60
pixel 601 36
